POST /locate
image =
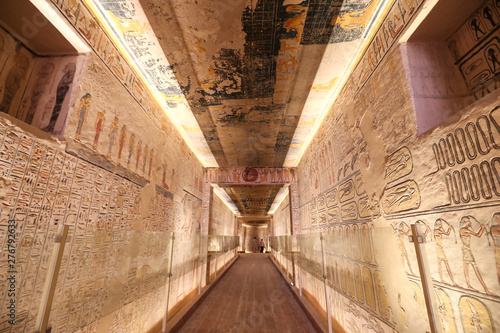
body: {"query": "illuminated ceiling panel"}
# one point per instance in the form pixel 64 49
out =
pixel 247 82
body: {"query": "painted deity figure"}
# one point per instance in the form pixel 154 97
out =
pixel 495 233
pixel 493 58
pixel 62 90
pixel 131 148
pixel 439 232
pixel 112 136
pixel 145 159
pixel 13 81
pixel 121 142
pixel 488 14
pixel 99 123
pixel 466 231
pixel 139 151
pixel 475 25
pixel 82 114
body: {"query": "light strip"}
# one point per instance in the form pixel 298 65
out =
pixel 61 24
pixel 254 226
pixel 219 192
pixel 276 204
pixel 349 69
pixel 152 90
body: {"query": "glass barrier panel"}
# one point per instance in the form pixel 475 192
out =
pixel 25 255
pixel 104 270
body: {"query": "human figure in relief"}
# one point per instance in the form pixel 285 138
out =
pixel 130 148
pixel 139 151
pixel 43 78
pixel 439 232
pixel 488 14
pixel 145 159
pixel 99 124
pixel 151 154
pixel 475 25
pixel 466 231
pixel 121 142
pixel 112 136
pixel 402 232
pixel 13 81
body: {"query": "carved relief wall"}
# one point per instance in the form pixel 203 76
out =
pixel 121 179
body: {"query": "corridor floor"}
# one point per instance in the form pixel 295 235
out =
pixel 251 297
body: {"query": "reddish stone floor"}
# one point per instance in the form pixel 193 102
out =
pixel 251 297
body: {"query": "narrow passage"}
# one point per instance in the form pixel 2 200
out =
pixel 251 297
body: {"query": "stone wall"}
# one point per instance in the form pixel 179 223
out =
pixel 368 175
pixel 119 175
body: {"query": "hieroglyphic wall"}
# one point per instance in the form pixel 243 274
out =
pixel 222 219
pixel 475 47
pixel 386 177
pixel 122 180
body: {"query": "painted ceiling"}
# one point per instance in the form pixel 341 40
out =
pixel 247 81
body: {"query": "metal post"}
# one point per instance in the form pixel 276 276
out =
pixel 216 255
pixel 292 258
pixel 423 267
pixel 169 276
pixel 223 243
pixel 61 239
pixel 300 270
pixel 329 317
pixel 286 258
pixel 300 283
pixel 200 264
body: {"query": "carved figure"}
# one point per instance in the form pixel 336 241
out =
pixel 62 91
pixel 13 81
pixel 43 78
pixel 476 27
pixel 121 142
pixel 439 232
pixel 99 123
pixel 112 136
pixel 82 114
pixel 488 14
pixel 495 233
pixel 466 232
pixel 139 151
pixel 130 148
pixel 400 195
pixel 403 231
